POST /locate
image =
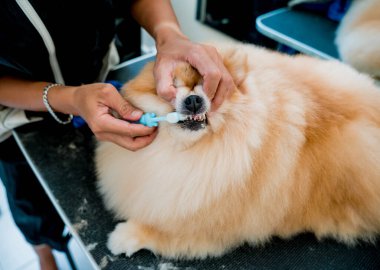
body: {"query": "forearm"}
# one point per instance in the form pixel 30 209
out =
pixel 158 18
pixel 94 102
pixel 27 95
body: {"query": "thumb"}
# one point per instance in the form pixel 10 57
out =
pixel 166 90
pixel 124 108
pixel 164 79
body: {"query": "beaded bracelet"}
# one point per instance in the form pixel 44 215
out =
pixel 48 107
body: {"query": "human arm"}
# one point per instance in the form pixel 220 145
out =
pixel 158 18
pixel 92 101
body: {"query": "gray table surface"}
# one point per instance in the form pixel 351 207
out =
pixel 62 158
pixel 307 32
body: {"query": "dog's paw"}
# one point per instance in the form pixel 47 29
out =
pixel 125 239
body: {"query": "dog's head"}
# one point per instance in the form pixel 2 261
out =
pixel 190 101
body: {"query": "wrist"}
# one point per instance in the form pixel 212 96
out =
pixel 167 31
pixel 61 99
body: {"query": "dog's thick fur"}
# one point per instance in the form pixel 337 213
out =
pixel 295 148
pixel 358 37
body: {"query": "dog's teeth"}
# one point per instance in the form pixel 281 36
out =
pixel 196 117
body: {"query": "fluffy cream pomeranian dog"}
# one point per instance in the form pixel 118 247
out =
pixel 358 37
pixel 295 148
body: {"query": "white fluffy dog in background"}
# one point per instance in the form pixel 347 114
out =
pixel 358 37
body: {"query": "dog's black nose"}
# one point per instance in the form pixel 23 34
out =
pixel 193 103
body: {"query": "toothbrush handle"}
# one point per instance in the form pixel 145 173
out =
pixel 147 119
pixel 150 119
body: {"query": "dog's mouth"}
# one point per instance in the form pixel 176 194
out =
pixel 194 122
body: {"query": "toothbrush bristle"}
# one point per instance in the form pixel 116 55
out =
pixel 174 117
pixel 181 117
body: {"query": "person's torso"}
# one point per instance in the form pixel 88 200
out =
pixel 81 32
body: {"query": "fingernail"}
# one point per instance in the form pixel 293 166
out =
pixel 136 113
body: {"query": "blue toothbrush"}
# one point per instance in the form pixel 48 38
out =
pixel 151 120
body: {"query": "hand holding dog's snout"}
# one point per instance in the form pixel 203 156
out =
pixel 95 103
pixel 217 81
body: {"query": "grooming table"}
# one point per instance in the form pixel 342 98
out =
pixel 62 158
pixel 304 31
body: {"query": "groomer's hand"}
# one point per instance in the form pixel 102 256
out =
pixel 173 47
pixel 94 102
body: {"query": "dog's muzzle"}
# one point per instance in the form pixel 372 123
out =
pixel 194 107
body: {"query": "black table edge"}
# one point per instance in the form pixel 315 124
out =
pixel 56 205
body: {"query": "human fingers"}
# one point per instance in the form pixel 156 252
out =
pixel 205 61
pixel 225 88
pixel 132 144
pixel 102 121
pixel 163 74
pixel 115 101
pixel 226 84
pixel 107 124
pixel 99 98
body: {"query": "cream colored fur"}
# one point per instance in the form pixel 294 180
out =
pixel 358 37
pixel 295 148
